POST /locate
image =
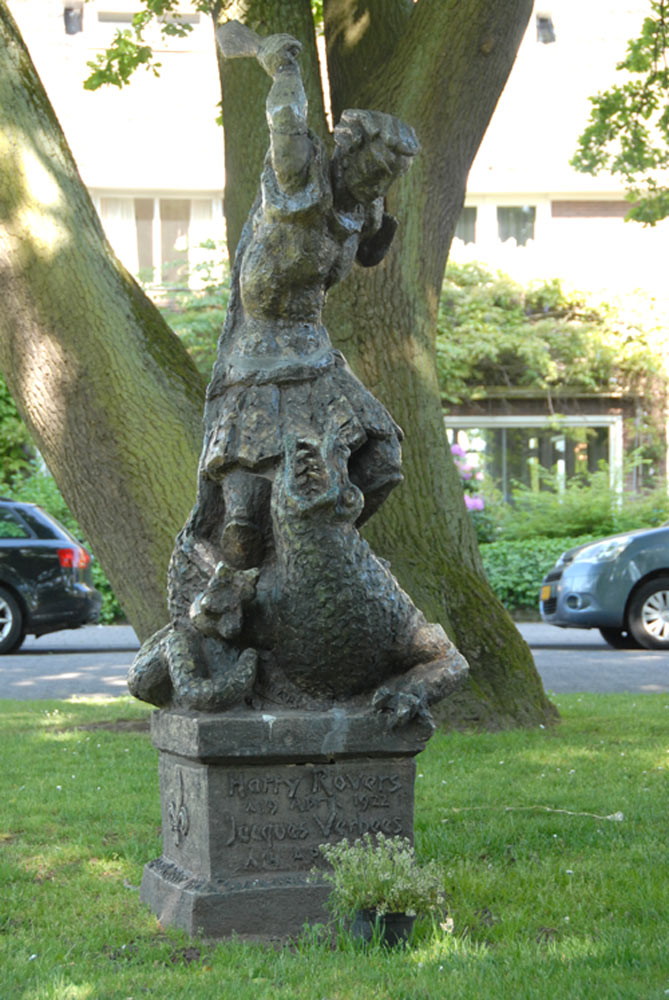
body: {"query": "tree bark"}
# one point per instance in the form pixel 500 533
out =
pixel 108 392
pixel 448 92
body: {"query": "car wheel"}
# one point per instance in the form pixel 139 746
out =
pixel 649 614
pixel 11 623
pixel 619 638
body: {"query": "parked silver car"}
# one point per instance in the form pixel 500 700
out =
pixel 619 585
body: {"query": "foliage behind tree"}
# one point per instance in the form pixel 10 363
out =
pixel 492 331
pixel 16 448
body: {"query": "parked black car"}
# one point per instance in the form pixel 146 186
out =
pixel 619 585
pixel 46 581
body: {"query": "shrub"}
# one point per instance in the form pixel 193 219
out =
pixel 524 539
pixel 515 568
pixel 16 448
pixel 381 874
pixel 588 505
pixel 197 315
pixel 494 332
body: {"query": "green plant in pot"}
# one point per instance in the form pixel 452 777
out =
pixel 378 888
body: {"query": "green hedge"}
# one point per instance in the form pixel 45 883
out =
pixel 515 569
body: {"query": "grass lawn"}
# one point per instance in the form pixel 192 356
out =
pixel 553 845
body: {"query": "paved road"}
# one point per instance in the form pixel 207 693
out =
pixel 580 660
pixel 85 661
pixel 94 661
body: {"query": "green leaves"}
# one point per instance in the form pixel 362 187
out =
pixel 117 63
pixel 197 316
pixel 16 447
pixel 516 567
pixel 628 130
pixel 494 333
pixel 129 50
pixel 381 873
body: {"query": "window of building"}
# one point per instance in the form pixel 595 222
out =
pixel 159 239
pixel 523 449
pixel 126 17
pixel 516 222
pixel 115 16
pixel 73 16
pixel 589 209
pixel 545 29
pixel 174 227
pixel 465 228
pixel 144 208
pixel 178 17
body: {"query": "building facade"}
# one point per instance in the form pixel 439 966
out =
pixel 528 213
pixel 522 191
pixel 151 153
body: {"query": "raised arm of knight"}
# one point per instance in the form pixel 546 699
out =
pixel 286 110
pixel 291 148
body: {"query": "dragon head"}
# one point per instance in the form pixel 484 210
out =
pixel 314 479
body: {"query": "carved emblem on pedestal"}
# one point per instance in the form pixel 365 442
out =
pixel 178 814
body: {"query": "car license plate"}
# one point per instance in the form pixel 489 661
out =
pixel 546 592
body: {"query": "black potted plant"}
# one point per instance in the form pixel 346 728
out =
pixel 378 888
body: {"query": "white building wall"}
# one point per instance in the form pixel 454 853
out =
pixel 524 158
pixel 158 139
pixel 155 139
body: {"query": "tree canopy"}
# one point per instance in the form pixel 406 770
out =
pixel 495 332
pixel 628 131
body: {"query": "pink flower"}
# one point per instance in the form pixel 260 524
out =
pixel 458 451
pixel 474 503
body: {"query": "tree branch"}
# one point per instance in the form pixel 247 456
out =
pixel 359 37
pixel 445 78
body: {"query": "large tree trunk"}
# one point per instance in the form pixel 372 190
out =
pixel 441 67
pixel 108 392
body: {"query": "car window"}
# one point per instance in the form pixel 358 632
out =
pixel 43 525
pixel 11 526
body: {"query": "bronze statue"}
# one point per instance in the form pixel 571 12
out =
pixel 274 596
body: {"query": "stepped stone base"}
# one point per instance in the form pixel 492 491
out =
pixel 246 800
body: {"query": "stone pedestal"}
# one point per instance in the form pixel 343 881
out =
pixel 248 797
